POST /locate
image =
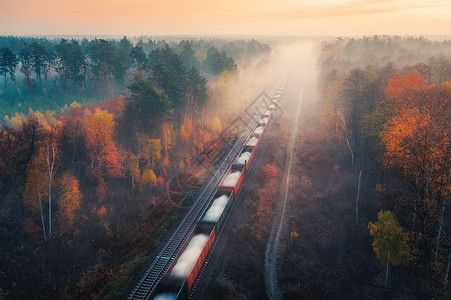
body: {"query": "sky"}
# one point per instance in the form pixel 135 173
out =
pixel 215 17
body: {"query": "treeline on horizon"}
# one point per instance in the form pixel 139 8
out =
pixel 41 73
pixel 80 183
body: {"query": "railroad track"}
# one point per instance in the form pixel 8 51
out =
pixel 172 247
pixel 170 250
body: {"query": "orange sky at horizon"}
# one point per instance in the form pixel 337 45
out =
pixel 209 17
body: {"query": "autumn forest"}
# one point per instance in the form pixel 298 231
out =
pixel 84 183
pixel 104 143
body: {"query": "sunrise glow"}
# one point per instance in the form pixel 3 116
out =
pixel 263 17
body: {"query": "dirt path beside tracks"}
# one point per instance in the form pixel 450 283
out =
pixel 272 246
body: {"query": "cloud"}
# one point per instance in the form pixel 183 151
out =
pixel 349 9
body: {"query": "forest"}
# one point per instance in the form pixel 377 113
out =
pixel 94 133
pixel 49 74
pixel 370 216
pixel 98 135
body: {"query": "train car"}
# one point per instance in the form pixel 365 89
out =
pixel 183 271
pixel 219 208
pixel 233 179
pixel 245 157
pixel 259 131
pixel 253 141
pixel 255 138
pixel 263 121
pixel 256 135
pixel 272 106
pixel 267 113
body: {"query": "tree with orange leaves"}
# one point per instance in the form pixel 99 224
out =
pixel 69 200
pixel 417 137
pixel 102 151
pixel 41 176
pixel 418 148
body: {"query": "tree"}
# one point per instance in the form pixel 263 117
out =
pixel 42 61
pixel 169 74
pixel 38 57
pixel 353 95
pixel 391 242
pixel 149 178
pixel 50 149
pixel 132 166
pixel 418 151
pixel 151 150
pixel 17 148
pixel 218 62
pixel 122 61
pixel 196 94
pixel 145 103
pixel 26 58
pixel 102 151
pixel 8 65
pixel 36 188
pixel 69 200
pixel 102 54
pixel 188 56
pixel 71 63
pixel 139 58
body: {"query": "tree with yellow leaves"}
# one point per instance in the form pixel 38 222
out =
pixel 36 188
pixel 391 242
pixel 69 200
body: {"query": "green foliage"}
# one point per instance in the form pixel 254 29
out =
pixel 391 242
pixel 139 58
pixel 145 102
pixel 8 64
pixel 218 62
pixel 169 74
pixel 72 61
pixel 187 55
pixel 198 85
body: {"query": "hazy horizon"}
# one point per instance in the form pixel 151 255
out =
pixel 202 17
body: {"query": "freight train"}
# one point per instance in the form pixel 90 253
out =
pixel 184 269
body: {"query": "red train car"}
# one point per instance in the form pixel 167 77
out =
pixel 253 141
pixel 259 131
pixel 246 155
pixel 233 179
pixel 255 138
pixel 263 121
pixel 219 208
pixel 187 265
